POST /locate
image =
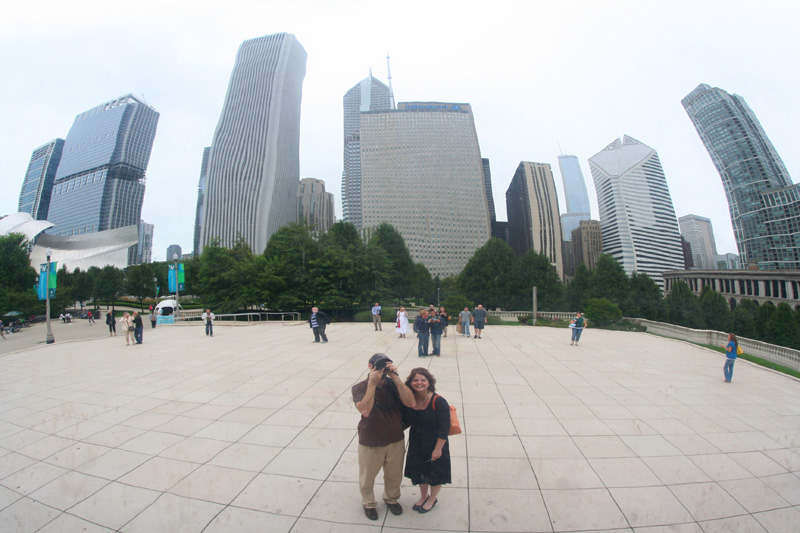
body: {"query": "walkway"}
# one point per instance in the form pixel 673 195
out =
pixel 253 430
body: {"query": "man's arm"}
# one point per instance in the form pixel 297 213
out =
pixel 406 396
pixel 368 401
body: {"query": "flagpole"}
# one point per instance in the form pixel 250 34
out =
pixel 49 338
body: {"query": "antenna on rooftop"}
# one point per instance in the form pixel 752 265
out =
pixel 559 147
pixel 391 91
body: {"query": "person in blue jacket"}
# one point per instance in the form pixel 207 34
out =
pixel 731 348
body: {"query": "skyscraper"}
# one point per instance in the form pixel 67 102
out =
pixel 763 202
pixel 367 95
pixel 173 250
pixel 699 234
pixel 639 228
pixel 314 205
pixel 34 198
pixel 201 197
pixel 144 251
pixel 422 173
pixel 575 194
pixel 100 180
pixel 587 243
pixel 254 163
pixel 533 218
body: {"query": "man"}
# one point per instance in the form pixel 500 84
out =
pixel 91 319
pixel 435 325
pixel 376 317
pixel 153 318
pixel 464 317
pixel 208 318
pixel 423 328
pixel 381 443
pixel 317 321
pixel 479 316
pixel 138 327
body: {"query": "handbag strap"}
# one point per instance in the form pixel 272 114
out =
pixel 433 400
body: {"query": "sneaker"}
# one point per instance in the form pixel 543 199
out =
pixel 395 508
pixel 371 513
pixel 324 341
pixel 476 336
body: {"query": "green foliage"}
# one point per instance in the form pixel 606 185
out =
pixel 602 312
pixel 716 313
pixel 644 299
pixel 529 270
pixel 423 283
pixel 455 303
pixel 781 328
pixel 683 308
pixel 400 276
pixel 610 280
pixel 139 282
pixel 108 283
pixel 579 290
pixel 765 312
pixel 745 319
pixel 485 277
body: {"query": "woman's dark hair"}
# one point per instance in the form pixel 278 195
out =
pixel 733 338
pixel 428 376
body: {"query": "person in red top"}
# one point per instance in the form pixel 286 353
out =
pixel 381 442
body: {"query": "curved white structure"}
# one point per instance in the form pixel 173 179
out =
pixel 24 223
pixel 254 163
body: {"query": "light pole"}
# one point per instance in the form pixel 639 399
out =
pixel 177 289
pixel 49 337
pixel 437 297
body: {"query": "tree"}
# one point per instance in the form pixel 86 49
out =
pixel 290 253
pixel 423 282
pixel 765 312
pixel 82 285
pixel 579 289
pixel 682 306
pixel 228 280
pixel 109 283
pixel 534 269
pixel 781 328
pixel 485 276
pixel 644 298
pixel 745 319
pixel 610 280
pixel 16 272
pixel 716 313
pixel 139 282
pixel 401 266
pixel 602 312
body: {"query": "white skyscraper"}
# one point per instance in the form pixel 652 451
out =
pixel 698 232
pixel 254 163
pixel 636 212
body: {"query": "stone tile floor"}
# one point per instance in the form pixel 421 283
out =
pixel 254 430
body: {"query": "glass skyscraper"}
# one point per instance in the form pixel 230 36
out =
pixel 201 197
pixel 34 198
pixel 763 202
pixel 574 193
pixel 699 233
pixel 367 95
pixel 100 180
pixel 637 217
pixel 254 163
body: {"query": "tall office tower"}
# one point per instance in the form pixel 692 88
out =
pixel 587 243
pixel 533 218
pixel 763 201
pixel 367 95
pixel 686 248
pixel 574 193
pixel 314 205
pixel 636 212
pixel 699 234
pixel 422 173
pixel 173 250
pixel 487 185
pixel 201 197
pixel 100 180
pixel 254 164
pixel 34 198
pixel 144 251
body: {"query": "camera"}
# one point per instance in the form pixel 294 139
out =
pixel 381 365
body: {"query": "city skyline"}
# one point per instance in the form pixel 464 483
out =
pixel 183 66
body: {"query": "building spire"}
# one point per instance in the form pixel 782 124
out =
pixel 391 91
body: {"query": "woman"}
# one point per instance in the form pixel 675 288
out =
pixel 127 326
pixel 112 324
pixel 428 459
pixel 577 324
pixel 435 324
pixel 402 323
pixel 445 318
pixel 731 348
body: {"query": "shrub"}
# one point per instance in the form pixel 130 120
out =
pixel 601 312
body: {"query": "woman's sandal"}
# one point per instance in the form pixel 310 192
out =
pixel 423 510
pixel 418 507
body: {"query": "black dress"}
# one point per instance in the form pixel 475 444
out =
pixel 427 426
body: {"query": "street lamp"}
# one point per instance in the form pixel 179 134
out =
pixel 437 297
pixel 177 289
pixel 49 337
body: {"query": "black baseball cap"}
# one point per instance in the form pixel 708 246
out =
pixel 379 357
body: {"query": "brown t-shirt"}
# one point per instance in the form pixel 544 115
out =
pixel 383 426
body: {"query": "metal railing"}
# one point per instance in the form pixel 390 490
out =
pixel 285 317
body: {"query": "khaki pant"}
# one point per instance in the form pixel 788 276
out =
pixel 370 461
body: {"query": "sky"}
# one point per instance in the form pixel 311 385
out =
pixel 543 78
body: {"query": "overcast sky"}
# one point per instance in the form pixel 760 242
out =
pixel 541 77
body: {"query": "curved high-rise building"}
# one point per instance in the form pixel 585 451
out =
pixel 367 95
pixel 763 202
pixel 575 194
pixel 34 198
pixel 254 163
pixel 639 228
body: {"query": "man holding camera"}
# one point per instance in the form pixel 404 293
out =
pixel 380 433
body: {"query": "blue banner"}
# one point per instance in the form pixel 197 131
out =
pixel 46 281
pixel 175 278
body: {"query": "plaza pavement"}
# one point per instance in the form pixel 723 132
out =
pixel 254 430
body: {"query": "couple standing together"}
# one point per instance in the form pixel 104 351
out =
pixel 385 402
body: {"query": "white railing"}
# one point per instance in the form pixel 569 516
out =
pixel 771 352
pixel 235 319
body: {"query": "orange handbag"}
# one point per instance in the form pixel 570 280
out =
pixel 455 426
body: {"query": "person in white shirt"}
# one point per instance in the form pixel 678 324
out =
pixel 208 318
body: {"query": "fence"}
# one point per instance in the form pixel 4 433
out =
pixel 243 319
pixel 771 352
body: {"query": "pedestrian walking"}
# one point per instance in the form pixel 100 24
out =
pixel 402 322
pixel 445 319
pixel 376 317
pixel 464 317
pixel 732 352
pixel 127 326
pixel 112 324
pixel 208 318
pixel 423 329
pixel 138 328
pixel 91 319
pixel 577 324
pixel 479 319
pixel 153 317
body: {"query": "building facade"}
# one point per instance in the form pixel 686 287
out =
pixel 254 162
pixel 736 285
pixel 637 216
pixel 577 199
pixel 144 250
pixel 100 181
pixel 699 233
pixel 422 172
pixel 533 215
pixel 587 243
pixel 763 202
pixel 174 250
pixel 367 95
pixel 201 197
pixel 34 198
pixel 314 205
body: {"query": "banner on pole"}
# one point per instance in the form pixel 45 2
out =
pixel 175 278
pixel 47 283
